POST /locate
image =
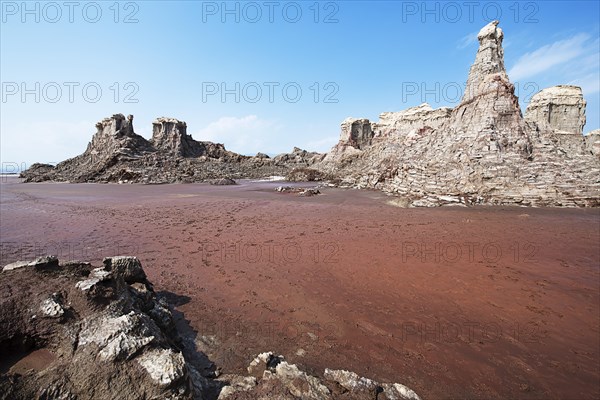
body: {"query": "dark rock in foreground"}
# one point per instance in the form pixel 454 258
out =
pixel 77 332
pixel 71 331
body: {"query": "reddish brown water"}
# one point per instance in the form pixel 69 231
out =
pixel 453 302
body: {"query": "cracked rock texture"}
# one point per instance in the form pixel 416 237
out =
pixel 483 151
pixel 559 108
pixel 99 340
pixel 271 377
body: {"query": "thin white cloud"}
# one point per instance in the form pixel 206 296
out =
pixel 549 56
pixel 467 40
pixel 589 83
pixel 246 135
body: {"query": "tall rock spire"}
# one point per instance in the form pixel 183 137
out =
pixel 489 61
pixel 489 115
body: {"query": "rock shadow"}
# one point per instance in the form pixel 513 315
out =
pixel 194 357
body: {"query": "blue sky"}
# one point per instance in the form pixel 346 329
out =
pixel 348 58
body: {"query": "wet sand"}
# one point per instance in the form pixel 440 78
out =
pixel 453 302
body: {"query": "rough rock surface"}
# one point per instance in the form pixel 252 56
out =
pixel 482 151
pixel 411 120
pixel 559 108
pixel 356 132
pixel 592 142
pixel 71 331
pixel 117 154
pixel 103 339
pixel 271 377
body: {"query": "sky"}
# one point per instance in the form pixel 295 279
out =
pixel 266 75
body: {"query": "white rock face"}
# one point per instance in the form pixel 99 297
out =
pixel 592 142
pixel 164 366
pixel 354 383
pixel 237 384
pixel 258 366
pixel 116 337
pixel 298 382
pixel 489 61
pixel 273 378
pixel 411 120
pixel 170 135
pixel 559 108
pixel 40 262
pixel 15 265
pixel 356 132
pixel 482 151
pixel 98 275
pixel 350 380
pixel 51 308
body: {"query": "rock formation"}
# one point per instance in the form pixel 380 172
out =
pixel 271 377
pixel 356 133
pixel 71 331
pixel 481 151
pixel 489 62
pixel 88 333
pixel 117 154
pixel 592 142
pixel 411 120
pixel 559 108
pixel 170 136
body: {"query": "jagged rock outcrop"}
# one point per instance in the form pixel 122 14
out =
pixel 592 142
pixel 115 136
pixel 117 154
pixel 480 152
pixel 298 157
pixel 411 121
pixel 489 115
pixel 558 108
pixel 71 331
pixel 356 132
pixel 489 62
pixel 169 135
pixel 483 151
pixel 271 377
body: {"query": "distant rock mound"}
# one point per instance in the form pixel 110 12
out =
pixel 298 157
pixel 480 152
pixel 117 154
pixel 592 142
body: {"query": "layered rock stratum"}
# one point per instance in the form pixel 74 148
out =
pixel 72 331
pixel 483 151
